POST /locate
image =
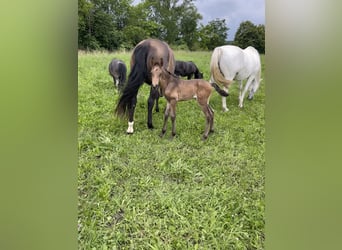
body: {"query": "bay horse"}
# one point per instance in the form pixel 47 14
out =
pixel 188 69
pixel 118 70
pixel 175 89
pixel 145 54
pixel 230 63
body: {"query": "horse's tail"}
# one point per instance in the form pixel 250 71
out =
pixel 216 73
pixel 219 90
pixel 135 79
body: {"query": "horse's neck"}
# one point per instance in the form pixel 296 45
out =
pixel 163 82
pixel 166 80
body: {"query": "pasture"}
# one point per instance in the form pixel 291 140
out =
pixel 141 191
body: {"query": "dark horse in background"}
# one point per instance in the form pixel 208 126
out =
pixel 146 54
pixel 188 69
pixel 118 70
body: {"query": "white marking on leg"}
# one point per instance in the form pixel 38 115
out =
pixel 130 128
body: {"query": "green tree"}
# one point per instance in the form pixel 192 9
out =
pixel 139 26
pixel 260 46
pixel 213 34
pixel 250 35
pixel 101 23
pixel 175 20
pixel 188 22
pixel 85 25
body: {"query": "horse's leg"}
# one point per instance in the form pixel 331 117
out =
pixel 114 81
pixel 173 117
pixel 208 117
pixel 157 104
pixel 131 108
pixel 252 90
pixel 153 95
pixel 254 87
pixel 242 93
pixel 166 117
pixel 224 100
pixel 211 112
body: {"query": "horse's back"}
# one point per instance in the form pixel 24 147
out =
pixel 113 66
pixel 231 60
pixel 239 64
pixel 252 60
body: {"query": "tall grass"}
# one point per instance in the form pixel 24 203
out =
pixel 146 192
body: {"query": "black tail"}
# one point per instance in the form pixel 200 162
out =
pixel 220 91
pixel 135 79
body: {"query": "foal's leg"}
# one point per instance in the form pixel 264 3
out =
pixel 242 93
pixel 166 117
pixel 131 109
pixel 208 124
pixel 211 112
pixel 173 117
pixel 153 95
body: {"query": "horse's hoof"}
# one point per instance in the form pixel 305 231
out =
pixel 129 133
pixel 204 137
pixel 225 109
pixel 150 126
pixel 162 134
pixel 157 110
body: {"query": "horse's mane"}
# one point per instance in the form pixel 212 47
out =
pixel 172 75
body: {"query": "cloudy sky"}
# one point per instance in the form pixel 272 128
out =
pixel 234 11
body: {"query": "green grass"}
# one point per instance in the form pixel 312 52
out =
pixel 141 191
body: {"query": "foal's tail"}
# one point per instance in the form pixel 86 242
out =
pixel 135 79
pixel 220 91
pixel 215 70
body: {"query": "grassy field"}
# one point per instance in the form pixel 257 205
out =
pixel 141 191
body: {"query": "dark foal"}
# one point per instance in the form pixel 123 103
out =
pixel 118 70
pixel 188 69
pixel 175 89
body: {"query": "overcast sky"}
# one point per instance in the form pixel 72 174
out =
pixel 234 11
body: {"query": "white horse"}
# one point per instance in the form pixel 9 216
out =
pixel 230 63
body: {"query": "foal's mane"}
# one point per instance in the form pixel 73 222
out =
pixel 171 74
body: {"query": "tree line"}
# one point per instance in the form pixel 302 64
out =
pixel 117 24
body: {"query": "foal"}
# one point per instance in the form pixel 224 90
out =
pixel 175 89
pixel 188 69
pixel 117 69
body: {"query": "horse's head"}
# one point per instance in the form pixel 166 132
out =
pixel 155 74
pixel 199 75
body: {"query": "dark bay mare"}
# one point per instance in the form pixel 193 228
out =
pixel 188 69
pixel 118 70
pixel 145 55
